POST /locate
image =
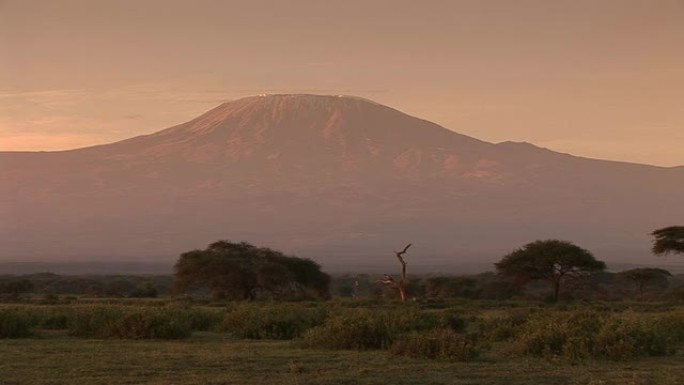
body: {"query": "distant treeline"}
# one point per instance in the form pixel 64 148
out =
pixel 14 286
pixel 491 286
pixel 485 286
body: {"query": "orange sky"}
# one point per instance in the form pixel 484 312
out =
pixel 597 78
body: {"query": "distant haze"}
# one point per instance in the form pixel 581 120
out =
pixel 595 78
pixel 340 179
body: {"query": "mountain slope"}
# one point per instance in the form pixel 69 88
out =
pixel 337 178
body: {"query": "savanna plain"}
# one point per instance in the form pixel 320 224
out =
pixel 88 340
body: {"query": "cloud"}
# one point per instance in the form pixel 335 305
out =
pixel 46 98
pixel 58 119
pixel 54 132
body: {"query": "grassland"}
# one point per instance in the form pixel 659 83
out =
pixel 209 358
pixel 222 350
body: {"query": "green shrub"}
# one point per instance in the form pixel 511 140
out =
pixel 670 328
pixel 582 334
pixel 129 323
pixel 447 319
pixel 361 329
pixel 152 324
pixel 15 323
pixel 568 334
pixel 280 321
pixel 47 317
pixel 202 319
pixel 49 299
pixel 351 330
pixel 502 328
pixel 624 339
pixel 94 321
pixel 443 344
pixel 55 321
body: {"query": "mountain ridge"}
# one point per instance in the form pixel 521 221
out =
pixel 325 177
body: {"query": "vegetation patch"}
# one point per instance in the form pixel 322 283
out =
pixel 15 323
pixel 443 344
pixel 129 323
pixel 362 329
pixel 581 334
pixel 278 321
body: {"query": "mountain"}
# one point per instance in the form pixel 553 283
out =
pixel 340 179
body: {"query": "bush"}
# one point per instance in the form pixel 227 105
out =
pixel 502 328
pixel 56 319
pixel 624 339
pixel 582 334
pixel 568 334
pixel 152 324
pixel 129 323
pixel 145 290
pixel 199 318
pixel 449 319
pixel 361 329
pixel 94 321
pixel 443 344
pixel 280 321
pixel 15 323
pixel 670 328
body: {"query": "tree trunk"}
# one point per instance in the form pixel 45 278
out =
pixel 402 281
pixel 401 285
pixel 402 291
pixel 556 290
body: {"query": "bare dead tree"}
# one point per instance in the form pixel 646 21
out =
pixel 401 284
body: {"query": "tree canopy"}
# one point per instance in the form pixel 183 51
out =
pixel 550 260
pixel 644 275
pixel 449 287
pixel 242 271
pixel 668 240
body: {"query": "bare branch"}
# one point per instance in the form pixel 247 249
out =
pixel 401 283
pixel 400 253
pixel 387 281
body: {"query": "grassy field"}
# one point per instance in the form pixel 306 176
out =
pixel 209 358
pixel 59 351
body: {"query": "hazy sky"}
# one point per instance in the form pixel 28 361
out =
pixel 597 78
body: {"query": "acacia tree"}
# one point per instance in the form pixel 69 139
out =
pixel 668 240
pixel 240 270
pixel 644 275
pixel 551 260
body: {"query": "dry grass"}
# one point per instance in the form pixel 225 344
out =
pixel 209 358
